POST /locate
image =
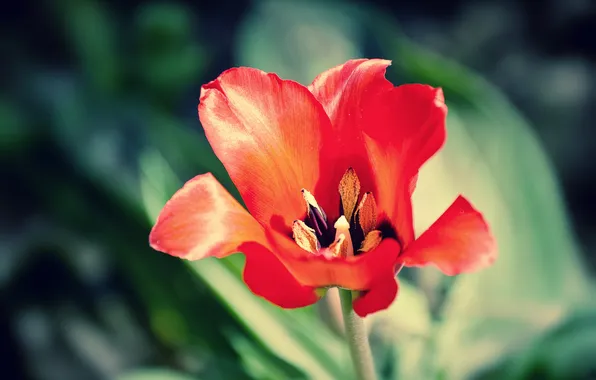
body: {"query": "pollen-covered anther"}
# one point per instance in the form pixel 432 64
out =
pixel 367 213
pixel 371 241
pixel 349 191
pixel 305 237
pixel 342 229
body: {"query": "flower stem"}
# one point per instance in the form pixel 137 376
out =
pixel 357 339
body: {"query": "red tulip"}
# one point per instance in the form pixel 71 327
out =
pixel 327 173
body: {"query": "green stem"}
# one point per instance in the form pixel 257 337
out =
pixel 357 339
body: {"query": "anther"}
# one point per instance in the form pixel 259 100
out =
pixel 316 214
pixel 349 191
pixel 367 213
pixel 371 241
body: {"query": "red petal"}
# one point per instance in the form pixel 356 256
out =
pixel 404 127
pixel 459 241
pixel 342 88
pixel 357 272
pixel 267 277
pixel 202 219
pixel 378 298
pixel 342 91
pixel 266 132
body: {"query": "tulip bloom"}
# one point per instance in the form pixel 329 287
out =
pixel 326 173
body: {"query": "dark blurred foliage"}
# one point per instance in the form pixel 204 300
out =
pixel 91 90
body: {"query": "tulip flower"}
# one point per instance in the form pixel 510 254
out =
pixel 326 173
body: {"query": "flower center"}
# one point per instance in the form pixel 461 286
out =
pixel 354 232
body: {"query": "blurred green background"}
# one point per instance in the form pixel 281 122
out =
pixel 99 128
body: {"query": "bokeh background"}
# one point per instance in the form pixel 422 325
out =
pixel 99 128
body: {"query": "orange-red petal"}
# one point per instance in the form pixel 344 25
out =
pixel 202 219
pixel 459 241
pixel 404 127
pixel 267 277
pixel 379 297
pixel 343 90
pixel 266 132
pixel 358 272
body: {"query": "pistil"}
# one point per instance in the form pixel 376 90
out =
pixel 343 239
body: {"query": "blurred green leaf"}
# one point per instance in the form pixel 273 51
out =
pixel 184 148
pixel 15 126
pixel 169 58
pixel 401 336
pixel 564 352
pixel 409 314
pixel 298 40
pixel 91 29
pixel 154 374
pixel 261 365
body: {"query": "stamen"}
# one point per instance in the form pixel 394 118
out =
pixel 316 214
pixel 349 190
pixel 342 228
pixel 353 232
pixel 371 241
pixel 310 199
pixel 305 237
pixel 367 213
